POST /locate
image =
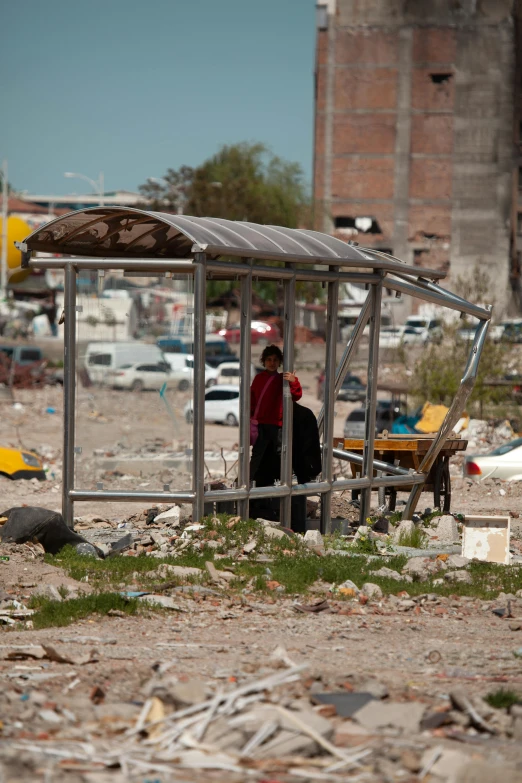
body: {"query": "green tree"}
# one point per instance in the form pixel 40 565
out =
pixel 244 182
pixel 437 373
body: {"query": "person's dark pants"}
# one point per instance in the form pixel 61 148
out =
pixel 265 468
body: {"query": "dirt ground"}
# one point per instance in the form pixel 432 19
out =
pixel 419 656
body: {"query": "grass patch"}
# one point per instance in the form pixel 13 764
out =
pixel 58 613
pixel 502 699
pixel 417 538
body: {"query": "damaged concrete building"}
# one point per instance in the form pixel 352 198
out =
pixel 418 113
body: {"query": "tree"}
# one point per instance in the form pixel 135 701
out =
pixel 244 182
pixel 437 373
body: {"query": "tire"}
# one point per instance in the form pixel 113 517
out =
pixel 442 486
pixel 188 417
pixel 183 385
pixel 231 420
pixel 137 386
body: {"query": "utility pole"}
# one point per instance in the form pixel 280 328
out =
pixel 5 204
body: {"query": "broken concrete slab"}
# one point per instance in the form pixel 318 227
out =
pixel 387 573
pixel 273 532
pixel 405 716
pixel 457 561
pixel 405 529
pixel 463 577
pixel 487 538
pixel 171 516
pixel 446 531
pixel 346 704
pixel 48 591
pixel 371 590
pixel 182 571
pixel 313 538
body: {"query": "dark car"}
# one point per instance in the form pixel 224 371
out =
pixel 352 390
pixel 385 414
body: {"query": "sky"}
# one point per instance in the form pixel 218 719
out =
pixel 132 88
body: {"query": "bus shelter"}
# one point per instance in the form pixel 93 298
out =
pixel 154 243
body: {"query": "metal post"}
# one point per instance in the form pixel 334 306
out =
pixel 350 349
pixel 245 359
pixel 329 401
pixel 198 404
pixel 371 398
pixel 69 389
pixel 288 410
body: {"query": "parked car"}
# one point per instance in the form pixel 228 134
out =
pixel 395 336
pixel 504 462
pixel 182 370
pixel 141 377
pixel 261 332
pixel 430 328
pixel 230 372
pixel 508 331
pixel 221 405
pixel 101 357
pixel 385 414
pixel 217 349
pixel 17 464
pixel 352 390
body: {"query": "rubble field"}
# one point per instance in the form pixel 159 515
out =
pixel 234 650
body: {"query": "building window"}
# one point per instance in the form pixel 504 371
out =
pixel 440 78
pixel 362 224
pixel 321 12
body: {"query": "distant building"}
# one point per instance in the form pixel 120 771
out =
pixel 117 198
pixel 418 120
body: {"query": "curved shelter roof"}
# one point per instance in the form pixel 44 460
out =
pixel 125 232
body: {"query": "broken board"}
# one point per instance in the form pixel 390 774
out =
pixel 486 538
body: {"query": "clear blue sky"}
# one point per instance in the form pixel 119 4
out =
pixel 131 88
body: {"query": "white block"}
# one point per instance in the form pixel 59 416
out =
pixel 486 538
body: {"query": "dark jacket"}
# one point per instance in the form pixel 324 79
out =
pixel 306 449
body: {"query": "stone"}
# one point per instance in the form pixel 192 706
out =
pixel 170 517
pixel 421 568
pixel 313 538
pixel 250 546
pixel 160 600
pixel 458 576
pixel 482 772
pixel 371 590
pixel 404 529
pixel 446 531
pixel 375 688
pixel 364 531
pixel 448 764
pixel 387 573
pixel 457 561
pixel 405 716
pixel 517 729
pixel 50 716
pixel 349 734
pixel 184 694
pixel 48 591
pixel 273 532
pixel 348 586
pixel 84 548
pixel 268 522
pixel 182 571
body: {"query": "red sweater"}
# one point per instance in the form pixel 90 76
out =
pixel 271 408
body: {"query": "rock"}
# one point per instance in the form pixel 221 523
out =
pixel 448 763
pixel 371 590
pixel 273 532
pixel 482 772
pixel 421 568
pixel 375 688
pixel 313 538
pixel 182 571
pixel 170 517
pixel 405 528
pixel 267 522
pixel 349 734
pixel 348 587
pixel 50 716
pixel 84 548
pixel 457 561
pixel 387 573
pixel 48 591
pixel 446 531
pixel 160 600
pixel 458 576
pixel 517 729
pixel 250 546
pixel 186 693
pixel 405 716
pixel 364 531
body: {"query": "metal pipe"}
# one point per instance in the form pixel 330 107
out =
pixel 398 481
pixel 350 349
pixel 437 297
pixel 131 497
pixel 288 406
pixel 329 401
pixel 245 360
pixel 483 313
pixel 186 266
pixel 371 397
pixel 453 415
pixel 69 390
pixel 198 404
pixel 357 459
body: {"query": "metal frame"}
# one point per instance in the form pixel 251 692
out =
pixel 379 270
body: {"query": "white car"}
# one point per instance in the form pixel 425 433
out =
pixel 504 462
pixel 140 376
pixel 182 370
pixel 221 405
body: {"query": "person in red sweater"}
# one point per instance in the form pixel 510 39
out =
pixel 266 406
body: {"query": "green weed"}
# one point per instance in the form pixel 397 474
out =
pixel 502 699
pixel 58 613
pixel 416 539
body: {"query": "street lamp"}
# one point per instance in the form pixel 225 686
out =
pixel 98 184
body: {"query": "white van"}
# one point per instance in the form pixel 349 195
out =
pixel 182 370
pixel 104 356
pixel 230 372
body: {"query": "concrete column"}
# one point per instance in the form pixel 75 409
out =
pixel 402 146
